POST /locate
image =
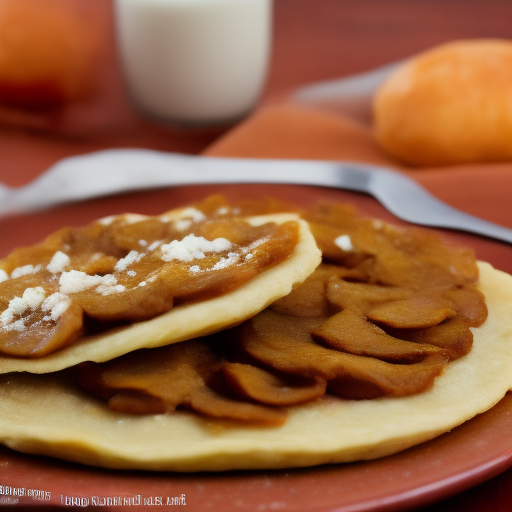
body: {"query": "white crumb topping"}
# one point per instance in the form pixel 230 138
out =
pixel 131 273
pixel 58 263
pixel 56 304
pixel 232 258
pixel 193 214
pixel 4 276
pixel 51 301
pixel 344 243
pixel 249 256
pixel 18 325
pixel 224 210
pixel 76 281
pixel 255 244
pixel 187 216
pixel 143 283
pixel 25 270
pixel 133 218
pixel 30 301
pixel 143 243
pixel 109 289
pixel 193 247
pixel 182 224
pixel 130 258
pixel 106 221
pixel 155 245
pixel 58 309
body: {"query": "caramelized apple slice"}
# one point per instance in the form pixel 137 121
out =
pixel 210 403
pixel 453 336
pixel 285 344
pixel 469 303
pixel 309 298
pixel 218 274
pixel 350 332
pixel 365 378
pixel 138 292
pixel 36 323
pixel 159 380
pixel 268 388
pixel 362 297
pixel 416 312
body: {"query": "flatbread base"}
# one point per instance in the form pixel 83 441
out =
pixel 189 320
pixel 45 414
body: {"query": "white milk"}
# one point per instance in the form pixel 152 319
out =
pixel 195 61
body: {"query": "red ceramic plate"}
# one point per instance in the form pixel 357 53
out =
pixel 464 457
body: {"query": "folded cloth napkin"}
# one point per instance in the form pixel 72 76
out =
pixel 292 130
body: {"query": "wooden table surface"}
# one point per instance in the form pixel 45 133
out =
pixel 313 41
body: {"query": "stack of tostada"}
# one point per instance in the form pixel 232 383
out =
pixel 259 335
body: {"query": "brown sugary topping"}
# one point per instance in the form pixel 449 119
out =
pixel 381 316
pixel 129 268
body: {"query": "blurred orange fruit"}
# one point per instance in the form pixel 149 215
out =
pixel 48 49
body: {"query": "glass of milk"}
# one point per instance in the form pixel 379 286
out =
pixel 194 62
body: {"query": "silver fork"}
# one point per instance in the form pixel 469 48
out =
pixel 4 193
pixel 122 170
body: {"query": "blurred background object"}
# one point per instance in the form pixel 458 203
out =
pixel 312 42
pixel 194 61
pixel 48 50
pixel 448 105
pixel 52 55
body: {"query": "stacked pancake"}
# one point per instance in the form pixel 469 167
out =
pixel 216 337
